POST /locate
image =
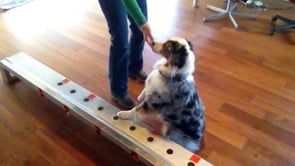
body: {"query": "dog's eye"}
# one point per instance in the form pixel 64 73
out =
pixel 169 47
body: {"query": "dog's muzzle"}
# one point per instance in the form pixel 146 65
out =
pixel 157 47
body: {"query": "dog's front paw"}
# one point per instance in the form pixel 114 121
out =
pixel 141 96
pixel 165 129
pixel 125 114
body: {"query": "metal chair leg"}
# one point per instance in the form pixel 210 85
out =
pixel 229 11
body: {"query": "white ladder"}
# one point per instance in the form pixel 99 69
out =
pixel 96 112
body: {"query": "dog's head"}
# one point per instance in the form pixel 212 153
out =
pixel 178 57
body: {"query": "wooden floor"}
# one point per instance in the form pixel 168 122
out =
pixel 245 77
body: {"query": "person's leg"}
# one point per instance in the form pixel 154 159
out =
pixel 136 42
pixel 116 17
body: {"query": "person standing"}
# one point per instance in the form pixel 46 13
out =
pixel 125 54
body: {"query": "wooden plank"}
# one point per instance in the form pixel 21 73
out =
pixel 215 98
pixel 259 124
pixel 219 159
pixel 214 143
pixel 264 140
pixel 233 138
pixel 275 104
pixel 266 156
pixel 286 123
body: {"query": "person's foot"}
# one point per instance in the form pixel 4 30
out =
pixel 140 76
pixel 125 102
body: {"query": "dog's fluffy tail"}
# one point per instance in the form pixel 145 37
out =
pixel 184 140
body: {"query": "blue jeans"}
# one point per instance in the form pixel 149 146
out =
pixel 125 56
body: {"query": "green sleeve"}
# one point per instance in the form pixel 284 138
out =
pixel 134 11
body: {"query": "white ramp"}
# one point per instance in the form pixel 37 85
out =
pixel 93 110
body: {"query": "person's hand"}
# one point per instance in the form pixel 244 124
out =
pixel 147 34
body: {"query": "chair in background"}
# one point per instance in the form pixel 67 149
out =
pixel 229 11
pixel 195 3
pixel 290 24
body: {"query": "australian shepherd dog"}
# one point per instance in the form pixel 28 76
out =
pixel 170 95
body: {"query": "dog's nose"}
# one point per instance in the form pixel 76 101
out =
pixel 153 46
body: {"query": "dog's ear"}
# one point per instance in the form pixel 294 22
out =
pixel 190 45
pixel 182 56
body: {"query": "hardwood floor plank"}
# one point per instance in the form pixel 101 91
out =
pixel 7 49
pixel 219 159
pixel 290 85
pixel 24 155
pixel 78 37
pixel 56 41
pixel 275 104
pixel 230 152
pixel 215 99
pixel 285 123
pixel 50 150
pixel 264 140
pixel 259 124
pixel 267 156
pixel 223 133
pixel 244 71
pixel 225 83
pixel 218 116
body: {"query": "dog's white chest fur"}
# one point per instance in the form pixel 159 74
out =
pixel 154 83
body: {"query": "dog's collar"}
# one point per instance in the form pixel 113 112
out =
pixel 177 77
